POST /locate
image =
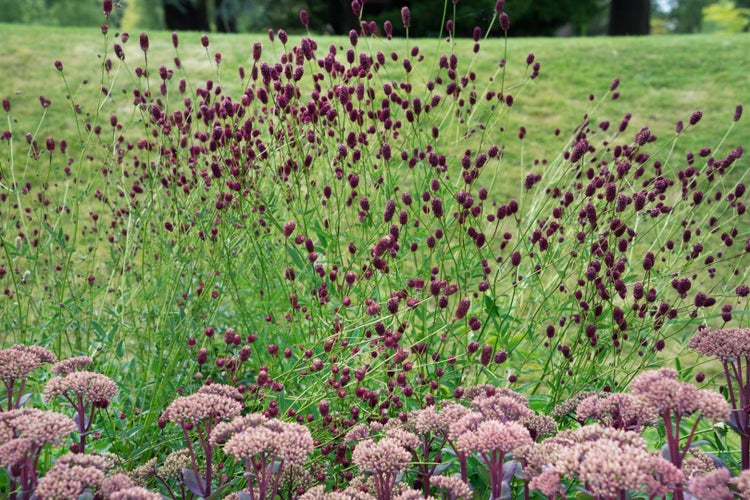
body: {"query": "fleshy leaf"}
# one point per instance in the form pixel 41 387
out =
pixel 440 468
pixel 195 483
pixel 510 470
pixel 22 401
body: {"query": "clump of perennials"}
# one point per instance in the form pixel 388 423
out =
pixel 320 265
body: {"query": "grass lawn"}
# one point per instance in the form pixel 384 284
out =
pixel 663 79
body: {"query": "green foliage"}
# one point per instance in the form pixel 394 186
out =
pixel 56 12
pixel 142 15
pixel 725 17
pixel 687 15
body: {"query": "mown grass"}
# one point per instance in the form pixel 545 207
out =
pixel 663 79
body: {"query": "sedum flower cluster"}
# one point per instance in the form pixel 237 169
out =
pixel 267 446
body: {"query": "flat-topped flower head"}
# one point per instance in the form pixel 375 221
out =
pixel 70 365
pixel 662 392
pixel 594 432
pixel 224 430
pixel 252 435
pixel 548 482
pixel 724 343
pixel 538 457
pixel 96 388
pixel 224 390
pixel 712 486
pixel 64 480
pixel 39 426
pixel 568 407
pixel 18 361
pixel 250 442
pixel 610 462
pixel 142 473
pixel 452 486
pixel 293 443
pixel 199 406
pixel 406 439
pixel 135 493
pixel 351 493
pixel 44 354
pixel 619 410
pixel 174 463
pixel 466 422
pixel 409 494
pixel 504 406
pixel 425 420
pixel 697 463
pixel 494 436
pixel 539 425
pixel 16 451
pixel 384 456
pixel 84 460
pixel 742 483
pixel 115 482
pixel 357 433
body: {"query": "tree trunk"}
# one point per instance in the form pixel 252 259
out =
pixel 629 17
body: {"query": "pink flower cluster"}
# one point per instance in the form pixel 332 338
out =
pixel 608 462
pixel 267 446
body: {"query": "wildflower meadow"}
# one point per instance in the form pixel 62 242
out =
pixel 319 272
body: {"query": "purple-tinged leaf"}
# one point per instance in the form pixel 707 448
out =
pixel 22 401
pixel 195 483
pixel 511 469
pixel 440 468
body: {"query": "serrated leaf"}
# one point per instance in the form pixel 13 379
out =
pixel 195 483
